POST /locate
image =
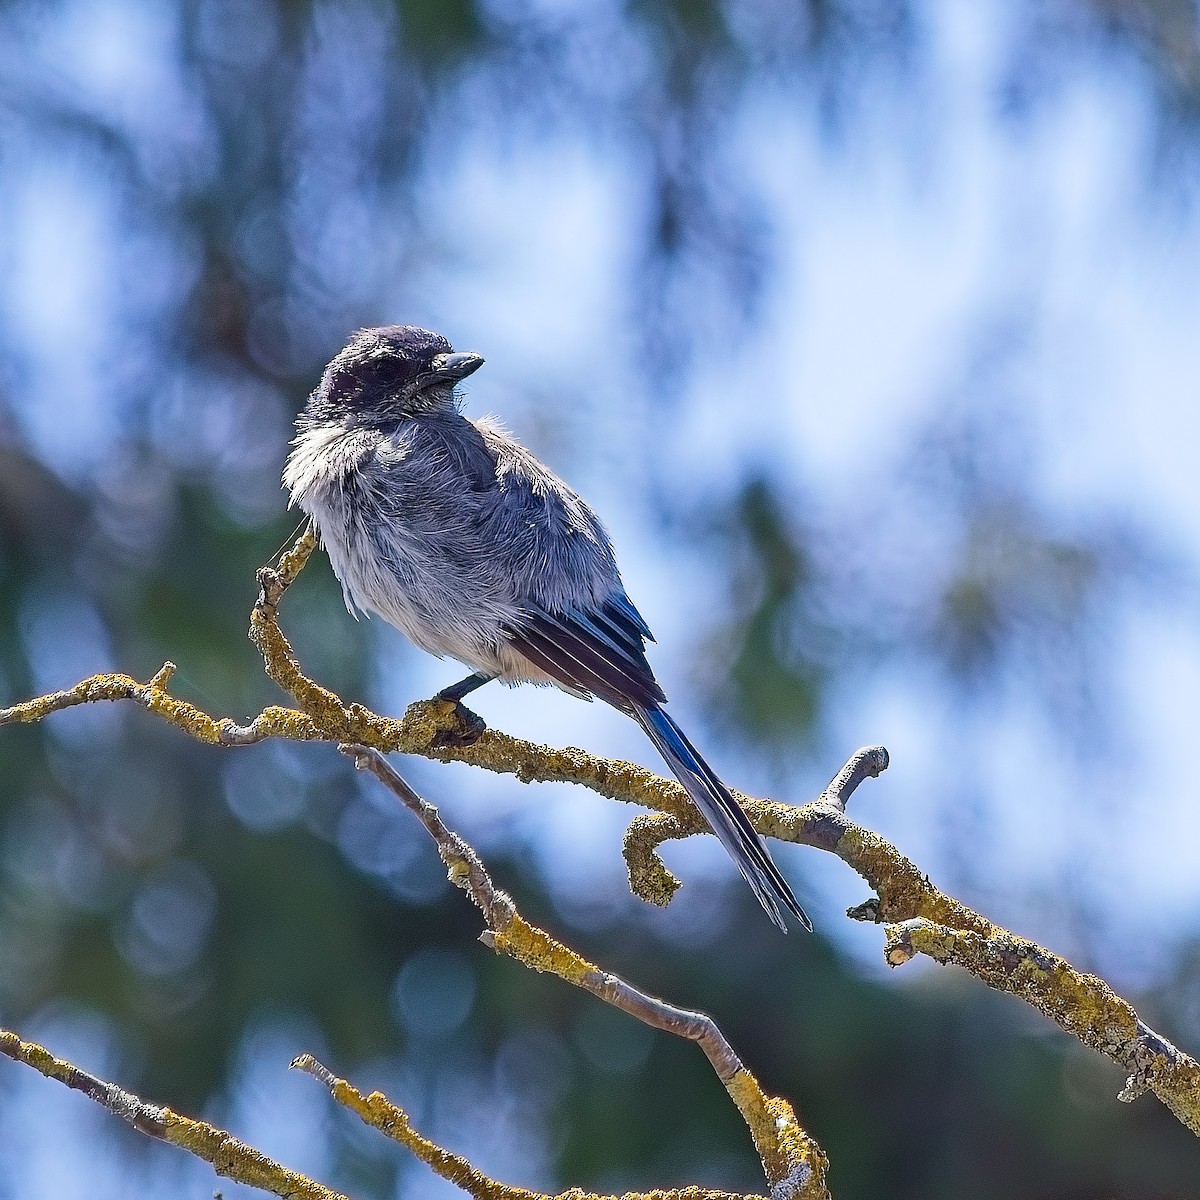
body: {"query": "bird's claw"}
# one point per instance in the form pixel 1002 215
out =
pixel 467 727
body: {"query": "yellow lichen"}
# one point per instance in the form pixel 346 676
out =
pixel 534 948
pixel 649 877
pixel 226 1154
pixel 1083 1005
pixel 794 1164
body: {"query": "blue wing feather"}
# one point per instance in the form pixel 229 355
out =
pixel 600 651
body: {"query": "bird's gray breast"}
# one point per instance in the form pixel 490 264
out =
pixel 402 515
pixel 450 531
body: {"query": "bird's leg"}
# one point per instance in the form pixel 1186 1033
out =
pixel 464 687
pixel 470 725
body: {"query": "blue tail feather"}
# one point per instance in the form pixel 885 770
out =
pixel 723 814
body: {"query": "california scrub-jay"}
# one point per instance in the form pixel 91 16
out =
pixel 458 536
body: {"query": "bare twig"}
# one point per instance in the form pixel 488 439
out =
pixel 795 1165
pixel 227 1155
pixel 867 763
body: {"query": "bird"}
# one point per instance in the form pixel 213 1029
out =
pixel 456 534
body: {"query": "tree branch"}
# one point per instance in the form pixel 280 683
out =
pixel 226 1154
pixel 1082 1004
pixel 794 1164
pixel 380 1113
pixel 439 730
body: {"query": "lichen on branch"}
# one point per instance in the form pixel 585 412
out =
pixel 227 1155
pixel 921 918
pixel 794 1164
pixel 1083 1005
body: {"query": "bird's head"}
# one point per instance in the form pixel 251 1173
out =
pixel 389 372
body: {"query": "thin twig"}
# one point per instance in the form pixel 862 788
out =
pixel 226 1154
pixel 467 871
pixel 867 763
pixel 380 1113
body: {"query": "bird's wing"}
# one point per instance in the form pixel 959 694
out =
pixel 600 650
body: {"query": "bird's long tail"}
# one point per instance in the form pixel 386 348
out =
pixel 723 814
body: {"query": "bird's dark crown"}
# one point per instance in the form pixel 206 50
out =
pixel 390 372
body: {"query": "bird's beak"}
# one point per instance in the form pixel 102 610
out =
pixel 450 368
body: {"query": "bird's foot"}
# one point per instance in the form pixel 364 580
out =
pixel 464 728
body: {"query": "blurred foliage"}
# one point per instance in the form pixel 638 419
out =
pixel 956 566
pixel 767 671
pixel 264 170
